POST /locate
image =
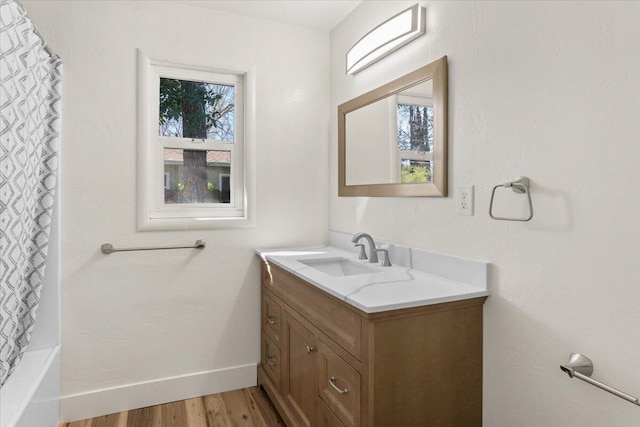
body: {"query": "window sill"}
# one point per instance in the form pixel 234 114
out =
pixel 175 224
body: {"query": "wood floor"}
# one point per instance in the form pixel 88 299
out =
pixel 249 407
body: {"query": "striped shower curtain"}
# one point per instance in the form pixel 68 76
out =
pixel 30 89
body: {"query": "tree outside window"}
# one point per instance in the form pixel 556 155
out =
pixel 199 111
pixel 415 139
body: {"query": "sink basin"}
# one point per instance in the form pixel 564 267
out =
pixel 338 267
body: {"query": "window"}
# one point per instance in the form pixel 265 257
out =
pixel 414 118
pixel 192 148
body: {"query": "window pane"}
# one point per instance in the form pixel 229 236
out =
pixel 196 176
pixel 415 171
pixel 415 128
pixel 196 110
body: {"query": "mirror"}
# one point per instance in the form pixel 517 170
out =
pixel 392 141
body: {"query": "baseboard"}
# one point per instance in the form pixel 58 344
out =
pixel 139 395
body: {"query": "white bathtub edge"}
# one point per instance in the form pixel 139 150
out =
pixel 21 387
pixel 139 395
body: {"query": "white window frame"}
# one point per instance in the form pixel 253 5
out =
pixel 399 155
pixel 153 213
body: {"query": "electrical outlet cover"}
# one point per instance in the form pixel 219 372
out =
pixel 464 200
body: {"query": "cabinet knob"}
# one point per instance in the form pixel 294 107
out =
pixel 309 349
pixel 332 381
pixel 272 361
pixel 272 319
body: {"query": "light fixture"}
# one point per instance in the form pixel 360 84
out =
pixel 387 37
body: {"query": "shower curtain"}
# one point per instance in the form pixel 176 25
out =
pixel 30 89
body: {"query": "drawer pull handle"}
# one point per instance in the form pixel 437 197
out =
pixel 272 361
pixel 332 381
pixel 309 349
pixel 272 319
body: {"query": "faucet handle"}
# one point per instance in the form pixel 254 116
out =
pixel 363 253
pixel 386 262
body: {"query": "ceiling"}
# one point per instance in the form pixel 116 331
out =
pixel 320 14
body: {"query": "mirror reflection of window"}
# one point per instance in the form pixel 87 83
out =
pixel 415 132
pixel 412 171
pixel 415 127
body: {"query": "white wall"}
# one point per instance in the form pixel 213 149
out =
pixel 368 155
pixel 137 317
pixel 551 91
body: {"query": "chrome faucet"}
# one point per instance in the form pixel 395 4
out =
pixel 373 254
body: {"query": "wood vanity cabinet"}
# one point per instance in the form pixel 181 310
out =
pixel 325 363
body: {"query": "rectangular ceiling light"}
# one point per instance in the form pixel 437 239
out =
pixel 387 37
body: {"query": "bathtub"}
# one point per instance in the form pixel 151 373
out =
pixel 31 395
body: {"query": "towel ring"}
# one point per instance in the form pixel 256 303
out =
pixel 520 185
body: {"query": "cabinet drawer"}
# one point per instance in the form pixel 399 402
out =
pixel 272 360
pixel 338 322
pixel 271 319
pixel 338 386
pixel 328 418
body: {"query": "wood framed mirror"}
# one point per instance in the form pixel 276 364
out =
pixel 392 141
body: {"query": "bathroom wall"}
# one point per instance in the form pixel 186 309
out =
pixel 141 328
pixel 369 129
pixel 550 90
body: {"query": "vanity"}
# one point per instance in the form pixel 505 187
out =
pixel 348 343
pixel 352 343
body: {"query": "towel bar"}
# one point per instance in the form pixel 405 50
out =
pixel 107 248
pixel 581 367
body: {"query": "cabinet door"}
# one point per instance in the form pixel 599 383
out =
pixel 328 418
pixel 299 370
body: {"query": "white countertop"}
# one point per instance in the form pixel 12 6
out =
pixel 389 288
